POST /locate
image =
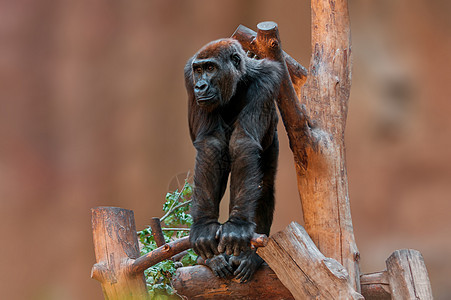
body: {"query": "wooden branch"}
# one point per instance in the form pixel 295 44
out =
pixel 408 275
pixel 157 233
pixel 116 244
pixel 198 282
pixel 161 253
pixel 303 269
pixel 375 286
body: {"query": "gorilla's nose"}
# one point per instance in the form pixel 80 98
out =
pixel 201 86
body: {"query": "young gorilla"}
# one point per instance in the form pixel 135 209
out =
pixel 232 121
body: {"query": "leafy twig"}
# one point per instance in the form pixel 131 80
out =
pixel 174 208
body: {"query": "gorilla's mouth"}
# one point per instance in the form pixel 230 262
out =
pixel 204 100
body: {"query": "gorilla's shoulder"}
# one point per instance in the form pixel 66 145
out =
pixel 264 73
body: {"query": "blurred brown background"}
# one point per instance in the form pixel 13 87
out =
pixel 93 112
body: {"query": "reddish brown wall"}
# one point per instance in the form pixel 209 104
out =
pixel 92 112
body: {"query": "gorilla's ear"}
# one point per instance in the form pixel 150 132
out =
pixel 236 59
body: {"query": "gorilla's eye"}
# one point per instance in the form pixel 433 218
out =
pixel 236 59
pixel 198 70
pixel 211 68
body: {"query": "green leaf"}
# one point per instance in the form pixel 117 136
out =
pixel 159 276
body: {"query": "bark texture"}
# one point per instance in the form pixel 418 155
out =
pixel 116 244
pixel 198 282
pixel 408 276
pixel 322 174
pixel 303 269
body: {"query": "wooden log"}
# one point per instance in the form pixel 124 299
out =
pixel 198 282
pixel 375 286
pixel 115 244
pixel 303 269
pixel 408 276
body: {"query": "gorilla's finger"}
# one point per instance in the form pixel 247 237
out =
pixel 236 249
pixel 214 248
pixel 218 233
pixel 198 251
pixel 211 248
pixel 204 251
pixel 246 276
pixel 221 246
pixel 229 249
pixel 228 268
pixel 220 273
pixel 239 275
pixel 237 272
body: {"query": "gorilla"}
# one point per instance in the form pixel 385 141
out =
pixel 233 125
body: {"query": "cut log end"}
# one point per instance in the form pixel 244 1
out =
pixel 268 25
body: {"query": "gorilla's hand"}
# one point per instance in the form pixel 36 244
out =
pixel 220 265
pixel 235 236
pixel 246 264
pixel 203 237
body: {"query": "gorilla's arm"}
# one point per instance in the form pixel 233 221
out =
pixel 210 175
pixel 211 172
pixel 254 132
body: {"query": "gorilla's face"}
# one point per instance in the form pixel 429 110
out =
pixel 216 72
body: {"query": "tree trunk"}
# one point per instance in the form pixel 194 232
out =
pixel 322 174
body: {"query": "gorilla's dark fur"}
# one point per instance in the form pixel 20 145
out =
pixel 232 121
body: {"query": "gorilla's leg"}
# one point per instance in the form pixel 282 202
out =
pixel 265 207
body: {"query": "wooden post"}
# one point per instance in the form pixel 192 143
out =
pixel 408 276
pixel 322 174
pixel 116 244
pixel 303 269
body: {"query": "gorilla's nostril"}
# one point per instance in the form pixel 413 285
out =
pixel 201 87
